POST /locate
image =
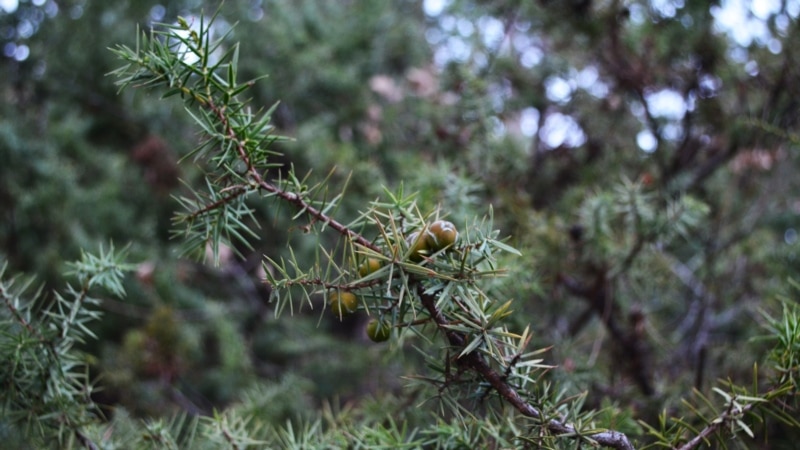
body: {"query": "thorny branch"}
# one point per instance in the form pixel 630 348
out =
pixel 237 192
pixel 473 361
pixel 477 363
pixel 715 425
pixel 290 197
pixel 48 343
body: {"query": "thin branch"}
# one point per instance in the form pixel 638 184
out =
pixel 715 425
pixel 475 362
pixel 238 191
pixel 290 197
pixel 7 296
pixel 85 440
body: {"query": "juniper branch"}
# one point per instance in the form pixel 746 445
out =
pixel 715 425
pixel 224 130
pixel 236 192
pixel 477 363
pixel 299 202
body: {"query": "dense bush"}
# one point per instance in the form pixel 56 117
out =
pixel 619 181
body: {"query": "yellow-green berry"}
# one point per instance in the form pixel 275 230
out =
pixel 369 266
pixel 343 303
pixel 441 234
pixel 378 331
pixel 418 247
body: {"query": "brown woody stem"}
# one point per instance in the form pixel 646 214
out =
pixel 477 363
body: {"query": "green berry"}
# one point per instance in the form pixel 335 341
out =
pixel 343 303
pixel 369 266
pixel 418 247
pixel 378 331
pixel 441 234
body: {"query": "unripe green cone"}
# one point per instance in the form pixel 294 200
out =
pixel 441 234
pixel 378 331
pixel 343 303
pixel 418 247
pixel 369 266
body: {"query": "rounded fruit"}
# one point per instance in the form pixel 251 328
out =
pixel 343 303
pixel 378 331
pixel 369 266
pixel 418 247
pixel 441 234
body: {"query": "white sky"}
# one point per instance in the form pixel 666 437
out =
pixel 9 5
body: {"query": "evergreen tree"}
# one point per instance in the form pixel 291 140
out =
pixel 563 220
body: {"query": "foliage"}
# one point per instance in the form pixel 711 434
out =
pixel 47 382
pixel 414 287
pixel 641 242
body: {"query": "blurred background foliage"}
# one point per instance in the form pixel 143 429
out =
pixel 641 155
